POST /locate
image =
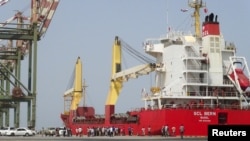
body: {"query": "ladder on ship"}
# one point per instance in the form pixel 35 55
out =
pixel 196 60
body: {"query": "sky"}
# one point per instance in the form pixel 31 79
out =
pixel 87 28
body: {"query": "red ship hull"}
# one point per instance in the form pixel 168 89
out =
pixel 195 121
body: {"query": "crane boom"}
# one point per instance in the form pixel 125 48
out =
pixel 134 72
pixel 116 85
pixel 76 92
pixel 118 76
pixel 47 10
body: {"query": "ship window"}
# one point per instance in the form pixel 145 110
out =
pixel 212 50
pixel 214 44
pixel 211 44
pixel 217 50
pixel 217 41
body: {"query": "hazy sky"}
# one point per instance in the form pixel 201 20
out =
pixel 87 28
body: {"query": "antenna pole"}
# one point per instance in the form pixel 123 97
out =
pixel 167 18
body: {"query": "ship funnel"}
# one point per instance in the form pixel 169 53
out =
pixel 211 25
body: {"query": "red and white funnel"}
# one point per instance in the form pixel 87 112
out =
pixel 210 26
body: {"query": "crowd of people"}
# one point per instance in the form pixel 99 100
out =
pixel 100 131
pixel 115 131
pixel 171 131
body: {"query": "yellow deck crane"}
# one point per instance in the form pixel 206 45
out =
pixel 75 94
pixel 118 76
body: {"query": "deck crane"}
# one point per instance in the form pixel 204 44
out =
pixel 76 92
pixel 118 76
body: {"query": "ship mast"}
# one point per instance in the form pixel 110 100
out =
pixel 196 4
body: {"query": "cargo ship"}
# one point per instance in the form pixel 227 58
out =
pixel 199 81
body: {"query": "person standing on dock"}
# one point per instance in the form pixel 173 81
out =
pixel 43 131
pixel 129 131
pixel 166 133
pixel 182 130
pixel 173 131
pixel 77 132
pixel 149 130
pixel 143 131
pixel 80 131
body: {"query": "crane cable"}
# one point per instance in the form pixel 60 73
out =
pixel 136 54
pixel 71 80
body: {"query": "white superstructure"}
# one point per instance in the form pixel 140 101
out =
pixel 197 70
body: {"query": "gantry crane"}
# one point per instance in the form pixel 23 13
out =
pixel 26 35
